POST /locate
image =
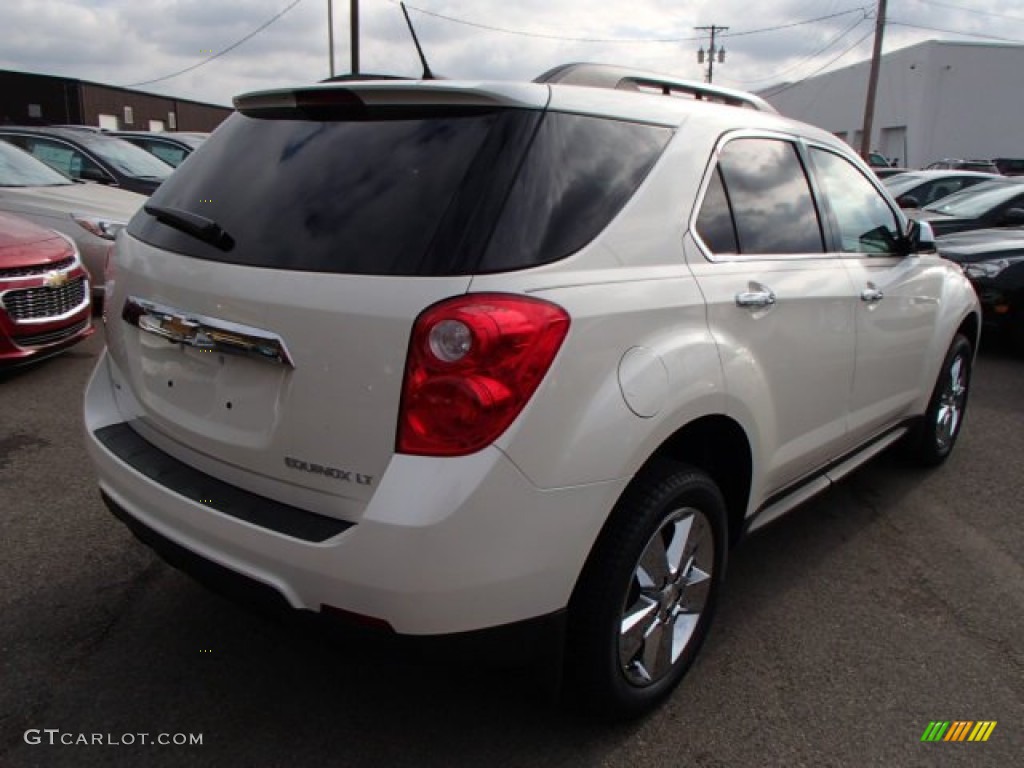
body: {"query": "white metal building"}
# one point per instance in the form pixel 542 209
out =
pixel 935 100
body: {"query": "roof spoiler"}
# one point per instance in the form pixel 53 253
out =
pixel 625 79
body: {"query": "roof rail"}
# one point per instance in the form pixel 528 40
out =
pixel 625 79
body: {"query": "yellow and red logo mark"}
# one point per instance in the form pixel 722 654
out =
pixel 958 730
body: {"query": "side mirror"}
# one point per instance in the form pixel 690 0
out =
pixel 920 237
pixel 92 173
pixel 908 201
pixel 1013 217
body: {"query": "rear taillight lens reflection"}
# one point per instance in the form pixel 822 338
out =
pixel 473 363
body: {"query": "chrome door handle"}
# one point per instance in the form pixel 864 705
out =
pixel 755 299
pixel 871 295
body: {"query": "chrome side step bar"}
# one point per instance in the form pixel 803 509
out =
pixel 823 481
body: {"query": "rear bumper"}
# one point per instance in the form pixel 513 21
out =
pixel 444 546
pixel 522 641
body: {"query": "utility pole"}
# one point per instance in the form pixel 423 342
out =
pixel 869 105
pixel 712 51
pixel 330 33
pixel 354 25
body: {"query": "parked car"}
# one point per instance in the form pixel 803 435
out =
pixel 878 160
pixel 1009 166
pixel 514 356
pixel 993 260
pixel 44 293
pixel 90 214
pixel 91 156
pixel 995 203
pixel 915 189
pixel 172 148
pixel 950 164
pixel 885 173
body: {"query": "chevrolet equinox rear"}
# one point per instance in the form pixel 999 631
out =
pixel 448 357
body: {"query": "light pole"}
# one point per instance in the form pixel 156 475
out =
pixel 330 33
pixel 869 104
pixel 354 27
pixel 712 50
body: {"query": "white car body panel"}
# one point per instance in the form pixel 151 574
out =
pixel 254 413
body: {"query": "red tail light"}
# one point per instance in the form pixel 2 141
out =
pixel 473 363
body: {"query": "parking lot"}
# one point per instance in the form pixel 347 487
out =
pixel 893 601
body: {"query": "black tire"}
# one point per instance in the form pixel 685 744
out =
pixel 933 438
pixel 669 508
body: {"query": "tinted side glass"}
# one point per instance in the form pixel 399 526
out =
pixel 866 223
pixel 714 222
pixel 770 196
pixel 169 153
pixel 578 174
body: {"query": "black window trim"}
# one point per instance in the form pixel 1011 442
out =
pixel 709 171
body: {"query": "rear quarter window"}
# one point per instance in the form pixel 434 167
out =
pixel 759 202
pixel 579 173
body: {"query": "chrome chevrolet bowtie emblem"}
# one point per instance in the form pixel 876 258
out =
pixel 206 333
pixel 56 279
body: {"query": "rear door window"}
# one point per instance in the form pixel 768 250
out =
pixel 764 185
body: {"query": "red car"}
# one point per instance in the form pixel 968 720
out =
pixel 45 303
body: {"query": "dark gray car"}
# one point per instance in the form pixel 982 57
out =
pixel 89 156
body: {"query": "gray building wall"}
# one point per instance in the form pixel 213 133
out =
pixel 935 99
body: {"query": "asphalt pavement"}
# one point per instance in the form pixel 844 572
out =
pixel 895 600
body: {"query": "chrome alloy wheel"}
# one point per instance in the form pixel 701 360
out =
pixel 666 596
pixel 952 399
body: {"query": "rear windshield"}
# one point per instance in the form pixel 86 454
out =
pixel 405 194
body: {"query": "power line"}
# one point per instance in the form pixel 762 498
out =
pixel 859 9
pixel 220 53
pixel 805 59
pixel 829 63
pixel 638 40
pixel 972 10
pixel 955 32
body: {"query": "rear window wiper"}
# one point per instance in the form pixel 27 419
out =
pixel 199 227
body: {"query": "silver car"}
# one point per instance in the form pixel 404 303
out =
pixel 90 214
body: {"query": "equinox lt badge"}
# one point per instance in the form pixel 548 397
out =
pixel 346 475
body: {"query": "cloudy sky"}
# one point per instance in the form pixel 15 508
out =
pixel 140 43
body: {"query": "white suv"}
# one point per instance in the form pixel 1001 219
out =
pixel 443 357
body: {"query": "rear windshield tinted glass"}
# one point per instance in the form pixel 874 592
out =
pixel 405 194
